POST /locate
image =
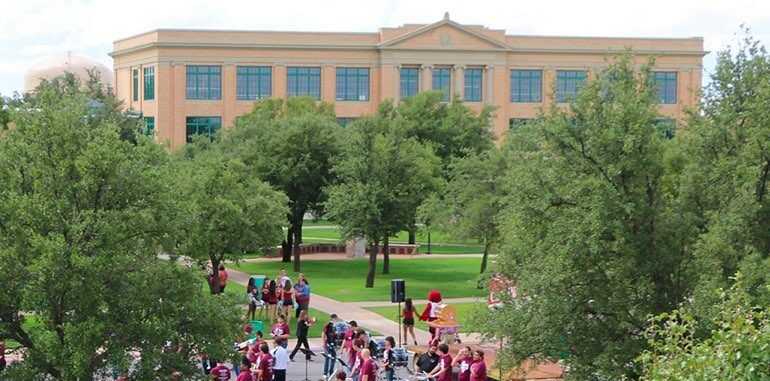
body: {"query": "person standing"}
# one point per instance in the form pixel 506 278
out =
pixel 302 328
pixel 463 362
pixel 408 315
pixel 347 343
pixel 328 337
pixel 245 374
pixel 222 279
pixel 272 300
pixel 281 357
pixel 220 372
pixel 266 362
pixel 252 294
pixel 368 370
pixel 355 359
pixel 265 295
pixel 281 332
pixel 443 372
pixel 428 361
pixel 288 301
pixel 2 356
pixel 387 357
pixel 303 297
pixel 479 367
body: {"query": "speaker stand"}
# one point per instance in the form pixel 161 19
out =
pixel 400 343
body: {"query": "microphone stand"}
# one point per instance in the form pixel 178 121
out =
pixel 400 343
pixel 307 359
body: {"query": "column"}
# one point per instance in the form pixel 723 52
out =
pixel 396 84
pixel 459 78
pixel 427 77
pixel 229 82
pixel 278 87
pixel 490 79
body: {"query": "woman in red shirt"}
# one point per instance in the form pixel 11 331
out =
pixel 272 300
pixel 408 314
pixel 287 293
pixel 222 279
pixel 479 367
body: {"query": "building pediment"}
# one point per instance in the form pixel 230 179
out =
pixel 444 35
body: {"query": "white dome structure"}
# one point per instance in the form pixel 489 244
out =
pixel 54 66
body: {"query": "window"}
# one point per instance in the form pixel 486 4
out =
pixel 253 82
pixel 149 83
pixel 410 77
pixel 515 123
pixel 667 127
pixel 568 83
pixel 666 86
pixel 442 82
pixel 303 81
pixel 204 82
pixel 345 120
pixel 136 85
pixel 352 84
pixel 526 86
pixel 473 85
pixel 202 125
pixel 149 122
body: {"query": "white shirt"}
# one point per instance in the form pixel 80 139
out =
pixel 281 358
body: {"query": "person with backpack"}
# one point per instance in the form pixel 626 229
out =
pixel 328 337
pixel 387 357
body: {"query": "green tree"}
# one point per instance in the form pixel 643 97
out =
pixel 586 232
pixel 226 210
pixel 466 206
pixel 83 213
pixel 724 178
pixel 736 348
pixel 291 146
pixel 380 174
pixel 453 129
pixel 5 114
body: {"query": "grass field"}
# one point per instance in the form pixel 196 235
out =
pixel 344 280
pixel 464 311
pixel 440 243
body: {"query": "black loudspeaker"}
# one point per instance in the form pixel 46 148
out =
pixel 397 290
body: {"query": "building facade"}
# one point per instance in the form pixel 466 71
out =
pixel 188 82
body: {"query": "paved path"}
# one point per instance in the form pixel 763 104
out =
pixel 343 256
pixel 416 302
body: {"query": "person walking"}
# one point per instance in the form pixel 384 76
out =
pixel 302 327
pixel 368 370
pixel 328 337
pixel 222 279
pixel 408 314
pixel 479 367
pixel 281 357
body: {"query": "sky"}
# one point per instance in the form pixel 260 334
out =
pixel 31 30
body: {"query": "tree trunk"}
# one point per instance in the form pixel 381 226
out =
pixel 386 255
pixel 214 284
pixel 412 233
pixel 287 245
pixel 484 258
pixel 372 265
pixel 297 247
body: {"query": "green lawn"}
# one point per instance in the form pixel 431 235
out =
pixel 464 311
pixel 344 280
pixel 317 223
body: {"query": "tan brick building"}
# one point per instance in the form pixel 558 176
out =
pixel 197 81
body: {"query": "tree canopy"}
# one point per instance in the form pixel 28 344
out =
pixel 84 209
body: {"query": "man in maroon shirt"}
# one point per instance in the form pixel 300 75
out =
pixel 368 368
pixel 245 374
pixel 443 372
pixel 265 370
pixel 220 372
pixel 281 331
pixel 463 361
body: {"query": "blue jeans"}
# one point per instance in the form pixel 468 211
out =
pixel 389 374
pixel 331 353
